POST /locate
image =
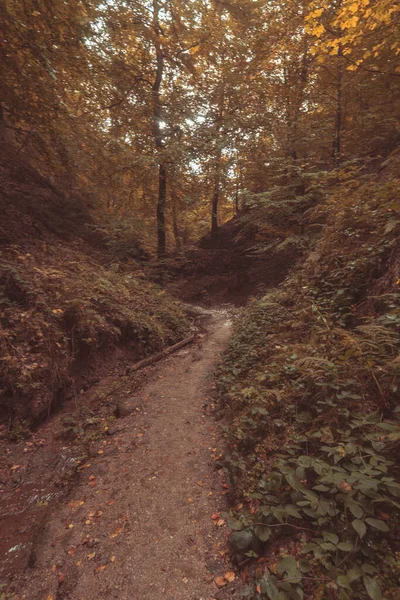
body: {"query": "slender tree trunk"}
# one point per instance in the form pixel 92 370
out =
pixel 157 134
pixel 217 183
pixel 175 226
pixel 214 206
pixel 337 138
pixel 162 196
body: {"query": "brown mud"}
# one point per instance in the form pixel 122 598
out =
pixel 137 524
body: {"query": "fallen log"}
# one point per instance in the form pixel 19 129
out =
pixel 156 357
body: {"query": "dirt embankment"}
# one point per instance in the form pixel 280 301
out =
pixel 66 304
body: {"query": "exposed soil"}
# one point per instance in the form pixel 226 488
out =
pixel 137 525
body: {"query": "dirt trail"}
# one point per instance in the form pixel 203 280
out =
pixel 138 524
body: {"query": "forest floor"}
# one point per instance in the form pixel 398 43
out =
pixel 142 520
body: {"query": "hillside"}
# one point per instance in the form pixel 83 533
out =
pixel 308 389
pixel 67 306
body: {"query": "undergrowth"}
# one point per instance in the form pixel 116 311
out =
pixel 59 309
pixel 309 388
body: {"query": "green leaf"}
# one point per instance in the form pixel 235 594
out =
pixel 377 524
pixel 369 569
pixel 294 481
pixel 304 565
pixel 241 540
pixel 343 582
pixel 330 537
pixel 355 509
pixel 360 527
pixel 321 488
pixel 288 565
pixel 267 587
pixel 345 546
pixel 235 524
pixel 353 574
pixel 263 532
pixel 292 511
pixel 372 587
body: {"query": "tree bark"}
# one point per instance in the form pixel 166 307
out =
pixel 337 138
pixel 157 134
pixel 214 207
pixel 175 226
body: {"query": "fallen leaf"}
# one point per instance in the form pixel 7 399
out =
pixel 258 588
pixel 190 500
pixel 71 526
pixel 61 577
pixel 230 576
pixel 346 487
pixel 112 559
pixel 72 551
pixel 76 503
pixel 100 452
pixel 200 483
pixel 116 532
pixel 99 569
pixel 216 516
pixel 220 581
pixel 245 574
pixel 53 568
pixel 92 478
pixel 220 522
pixel 91 555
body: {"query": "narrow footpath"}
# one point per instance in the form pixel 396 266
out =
pixel 142 523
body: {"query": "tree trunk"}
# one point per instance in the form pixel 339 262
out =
pixel 162 196
pixel 337 138
pixel 175 226
pixel 214 207
pixel 157 134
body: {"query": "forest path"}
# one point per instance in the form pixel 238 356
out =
pixel 138 524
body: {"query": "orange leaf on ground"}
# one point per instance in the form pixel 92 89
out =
pixel 99 569
pixel 216 516
pixel 116 532
pixel 230 576
pixel 220 522
pixel 220 581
